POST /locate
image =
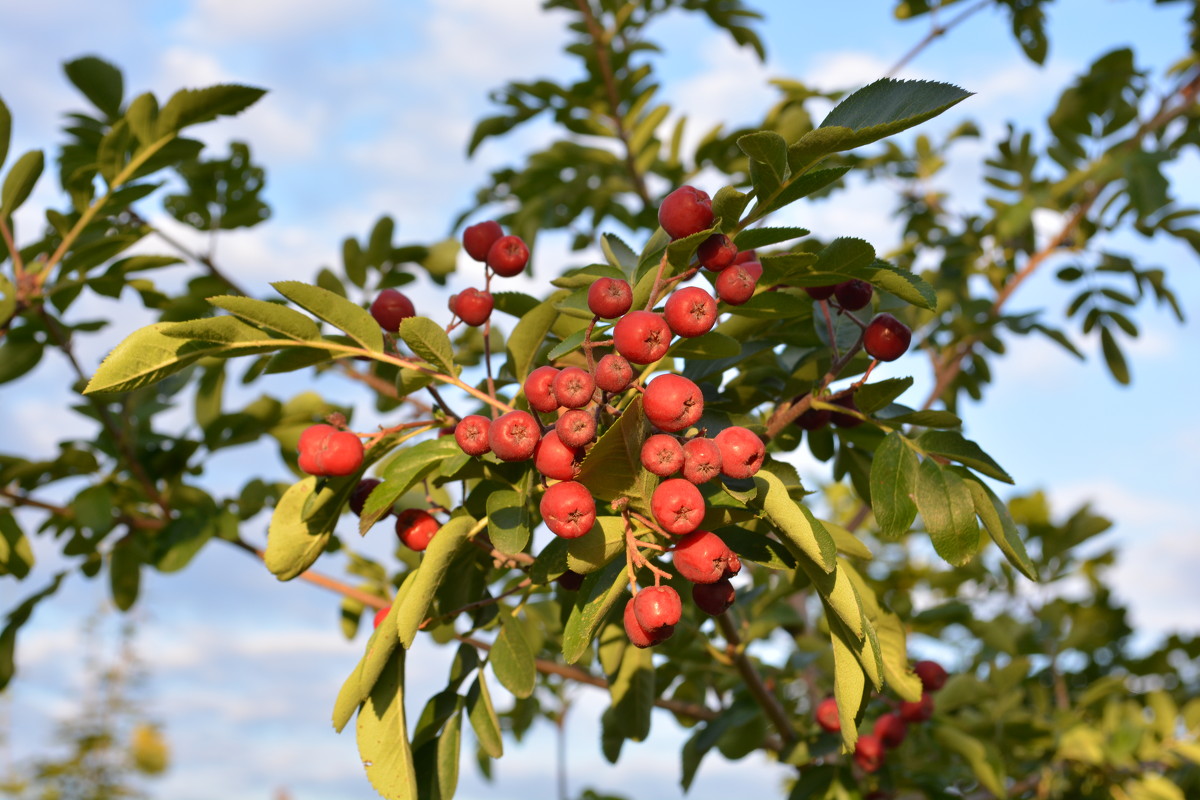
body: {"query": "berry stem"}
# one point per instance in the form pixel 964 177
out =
pixel 658 282
pixel 754 682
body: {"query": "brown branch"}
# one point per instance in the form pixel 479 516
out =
pixel 935 32
pixel 754 682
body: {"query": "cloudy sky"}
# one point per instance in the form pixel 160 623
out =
pixel 370 105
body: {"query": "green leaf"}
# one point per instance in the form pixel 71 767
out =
pixel 382 735
pixel 953 446
pixel 100 82
pixel 293 542
pixel 763 237
pixel 193 106
pixel 847 543
pixel 712 345
pixel 20 181
pixel 412 463
pixel 270 316
pixel 434 564
pixel 632 691
pixel 594 600
pixel 874 396
pixel 512 658
pixel 482 715
pixel 849 689
pixel 1113 356
pixel 5 131
pixel 618 254
pixel 572 342
pixel 141 116
pixel 975 754
pixel 339 312
pixel 1000 526
pixel 799 528
pixel 596 548
pixel 529 334
pixel 125 572
pixel 924 419
pixel 224 329
pixel 16 555
pixel 16 618
pixel 182 538
pixel 508 521
pixel 613 467
pixel 889 106
pixel 147 356
pixel 728 204
pixel 706 737
pixel 893 479
pixel 758 548
pixel 948 511
pixel 806 184
pixel 429 341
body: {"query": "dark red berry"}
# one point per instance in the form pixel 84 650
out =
pixel 886 338
pixel 713 599
pixel 716 252
pixel 868 753
pixel 508 256
pixel 932 675
pixel 853 295
pixel 358 499
pixel 678 506
pixel 735 285
pixel 479 238
pixel 701 460
pixel 416 527
pixel 685 211
pixel 613 373
pixel 662 455
pixel 472 434
pixel 568 509
pixel 513 436
pixel 576 428
pixel 390 308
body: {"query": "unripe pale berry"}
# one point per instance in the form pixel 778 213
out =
pixel 685 211
pixel 609 298
pixel 391 307
pixel 677 506
pixel 539 389
pixel 479 238
pixel 690 311
pixel 472 434
pixel 613 373
pixel 642 337
pixel 662 454
pixel 701 460
pixel 672 402
pixel 576 428
pixel 742 452
pixel 568 509
pixel 508 256
pixel 416 527
pixel 514 435
pixel 573 387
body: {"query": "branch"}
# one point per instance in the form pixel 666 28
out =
pixel 754 682
pixel 935 32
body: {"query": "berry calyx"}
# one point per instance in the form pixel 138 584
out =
pixel 742 452
pixel 713 599
pixel 473 306
pixel 478 238
pixel 673 403
pixel 471 433
pixel 735 285
pixel 932 675
pixel 701 460
pixel 508 256
pixel 690 311
pixel 642 337
pixel 886 338
pixel 613 373
pixel 568 509
pixel 853 294
pixel 827 715
pixel 685 211
pixel 539 389
pixel 639 636
pixel 677 506
pixel 391 307
pixel 415 528
pixel 662 455
pixel 573 387
pixel 556 460
pixel 576 428
pixel 716 252
pixel 609 298
pixel 657 607
pixel 513 436
pixel 703 557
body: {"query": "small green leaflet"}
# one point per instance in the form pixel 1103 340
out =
pixel 1000 526
pixel 893 481
pixel 799 528
pixel 508 521
pixel 20 181
pixel 482 715
pixel 434 564
pixel 293 542
pixel 429 341
pixel 270 316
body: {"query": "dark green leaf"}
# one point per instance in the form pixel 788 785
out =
pixel 192 106
pixel 1114 358
pixel 483 717
pixel 16 618
pixel 874 396
pixel 412 464
pixel 100 82
pixel 16 556
pixel 5 131
pixel 125 570
pixel 595 598
pixel 438 557
pixel 889 106
pixel 382 735
pixel 613 467
pixel 893 480
pixel 955 447
pixel 20 181
pixel 728 205
pixel 508 521
pixel 762 237
pixel 529 334
pixel 948 512
pixel 632 690
pixel 512 658
pixel 1000 526
pixel 710 346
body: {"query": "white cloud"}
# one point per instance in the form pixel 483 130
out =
pixel 218 21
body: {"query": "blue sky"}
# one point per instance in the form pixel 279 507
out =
pixel 369 109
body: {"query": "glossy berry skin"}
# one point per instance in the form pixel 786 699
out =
pixel 702 557
pixel 358 499
pixel 713 599
pixel 639 636
pixel 886 338
pixel 735 285
pixel 513 436
pixel 539 389
pixel 478 238
pixel 891 730
pixel 576 428
pixel 657 607
pixel 932 675
pixel 673 403
pixel 920 711
pixel 677 506
pixel 820 292
pixel 555 460
pixel 568 509
pixel 609 298
pixel 642 337
pixel 573 387
pixel 716 252
pixel 827 715
pixel 390 307
pixel 473 306
pixel 685 211
pixel 415 528
pixel 754 267
pixel 853 295
pixel 701 460
pixel 471 433
pixel 742 452
pixel 690 312
pixel 381 615
pixel 745 255
pixel 662 455
pixel 613 373
pixel 508 256
pixel 327 452
pixel 868 753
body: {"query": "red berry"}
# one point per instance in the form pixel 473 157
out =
pixel 613 373
pixel 472 434
pixel 415 528
pixel 539 389
pixel 573 387
pixel 742 452
pixel 554 459
pixel 657 607
pixel 702 557
pixel 716 252
pixel 827 715
pixel 325 451
pixel 311 440
pixel 609 298
pixel 514 435
pixel 920 711
pixel 868 753
pixel 479 238
pixel 845 420
pixel 891 730
pixel 690 311
pixel 701 460
pixel 473 306
pixel 932 675
pixel 576 428
pixel 642 336
pixel 672 402
pixel 662 454
pixel 853 295
pixel 639 636
pixel 677 506
pixel 736 284
pixel 886 338
pixel 568 509
pixel 390 307
pixel 745 255
pixel 814 419
pixel 358 499
pixel 508 256
pixel 685 211
pixel 820 292
pixel 381 615
pixel 713 599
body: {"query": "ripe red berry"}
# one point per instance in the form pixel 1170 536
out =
pixel 685 211
pixel 716 252
pixel 920 711
pixel 381 615
pixel 327 452
pixel 814 419
pixel 820 292
pixel 479 238
pixel 473 306
pixel 702 557
pixel 868 753
pixel 471 433
pixel 539 389
pixel 642 336
pixel 310 442
pixel 742 452
pixel 639 636
pixel 701 460
pixel 554 459
pixel 613 373
pixel 576 428
pixel 891 730
pixel 827 715
pixel 514 435
pixel 735 285
pixel 662 454
pixel 690 311
pixel 568 509
pixel 573 387
pixel 672 402
pixel 853 295
pixel 754 267
pixel 886 338
pixel 358 499
pixel 845 420
pixel 678 506
pixel 508 256
pixel 657 607
pixel 713 599
pixel 745 255
pixel 390 308
pixel 932 675
pixel 609 298
pixel 415 527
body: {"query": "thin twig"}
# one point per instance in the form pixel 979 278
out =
pixel 754 682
